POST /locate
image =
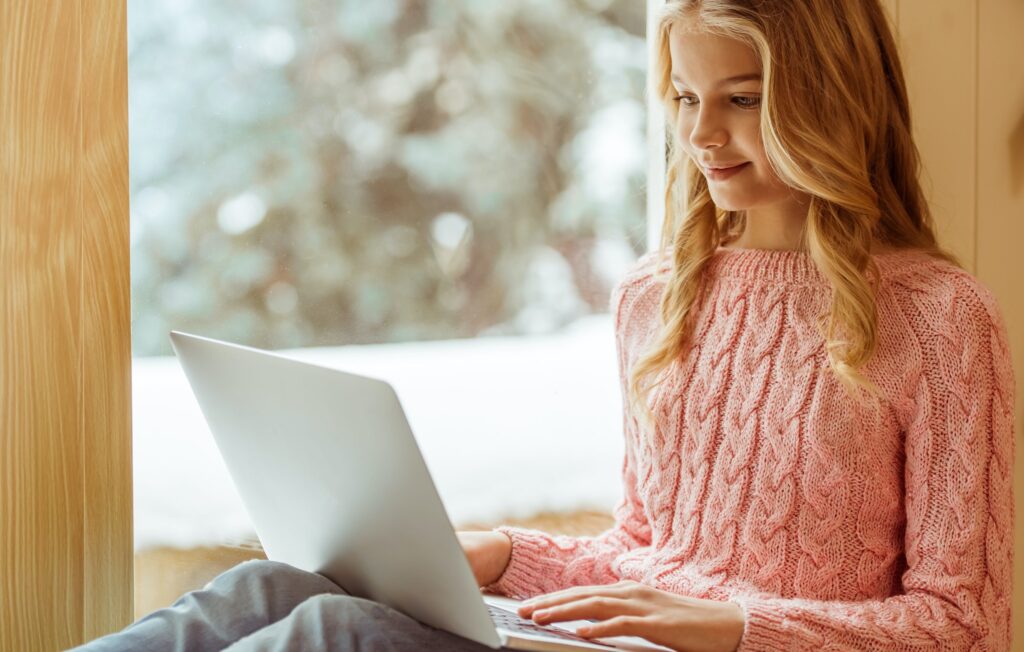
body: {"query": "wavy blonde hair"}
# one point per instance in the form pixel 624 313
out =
pixel 835 124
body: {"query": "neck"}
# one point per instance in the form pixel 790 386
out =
pixel 778 227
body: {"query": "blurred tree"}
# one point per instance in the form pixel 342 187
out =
pixel 337 171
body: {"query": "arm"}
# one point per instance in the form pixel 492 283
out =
pixel 541 563
pixel 959 507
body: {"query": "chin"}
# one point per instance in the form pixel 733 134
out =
pixel 726 205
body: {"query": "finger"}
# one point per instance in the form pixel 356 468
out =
pixel 594 607
pixel 573 592
pixel 618 626
pixel 619 589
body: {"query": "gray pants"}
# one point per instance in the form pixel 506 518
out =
pixel 268 605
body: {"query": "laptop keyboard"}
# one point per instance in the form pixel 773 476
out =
pixel 506 619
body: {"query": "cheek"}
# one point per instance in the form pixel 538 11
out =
pixel 766 176
pixel 763 180
pixel 765 173
pixel 749 140
pixel 755 187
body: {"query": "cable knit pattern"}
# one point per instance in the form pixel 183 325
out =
pixel 834 526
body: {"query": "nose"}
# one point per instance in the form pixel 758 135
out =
pixel 708 130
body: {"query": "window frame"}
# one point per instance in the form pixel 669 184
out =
pixel 656 145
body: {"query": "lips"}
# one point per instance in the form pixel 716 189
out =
pixel 723 173
pixel 721 166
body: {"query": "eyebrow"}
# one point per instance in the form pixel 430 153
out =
pixel 730 80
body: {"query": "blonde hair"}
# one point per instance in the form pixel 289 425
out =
pixel 847 145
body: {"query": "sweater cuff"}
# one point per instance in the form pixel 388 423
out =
pixel 528 563
pixel 764 630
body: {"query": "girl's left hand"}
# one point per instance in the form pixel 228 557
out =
pixel 632 609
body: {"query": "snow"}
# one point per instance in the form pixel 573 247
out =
pixel 508 426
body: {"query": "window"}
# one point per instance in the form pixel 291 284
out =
pixel 442 194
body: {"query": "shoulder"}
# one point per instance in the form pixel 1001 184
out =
pixel 636 298
pixel 958 325
pixel 645 277
pixel 941 334
pixel 939 296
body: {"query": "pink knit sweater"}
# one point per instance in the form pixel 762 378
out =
pixel 833 526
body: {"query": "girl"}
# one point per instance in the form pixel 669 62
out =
pixel 818 400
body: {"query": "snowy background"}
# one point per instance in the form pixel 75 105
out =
pixel 508 426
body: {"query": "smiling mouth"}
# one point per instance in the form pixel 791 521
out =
pixel 720 174
pixel 720 169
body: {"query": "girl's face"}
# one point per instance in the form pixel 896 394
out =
pixel 718 82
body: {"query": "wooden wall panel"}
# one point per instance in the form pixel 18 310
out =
pixel 106 320
pixel 41 563
pixel 65 472
pixel 1000 210
pixel 938 44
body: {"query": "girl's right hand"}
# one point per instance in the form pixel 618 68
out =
pixel 488 553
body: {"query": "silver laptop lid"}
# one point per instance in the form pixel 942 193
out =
pixel 334 482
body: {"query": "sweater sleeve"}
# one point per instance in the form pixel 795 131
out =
pixel 958 537
pixel 542 563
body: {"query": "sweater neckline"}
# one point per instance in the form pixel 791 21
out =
pixel 789 266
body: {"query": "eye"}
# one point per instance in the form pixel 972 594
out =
pixel 747 102
pixel 685 100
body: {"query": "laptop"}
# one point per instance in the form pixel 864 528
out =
pixel 333 481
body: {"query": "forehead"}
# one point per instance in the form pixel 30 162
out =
pixel 704 59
